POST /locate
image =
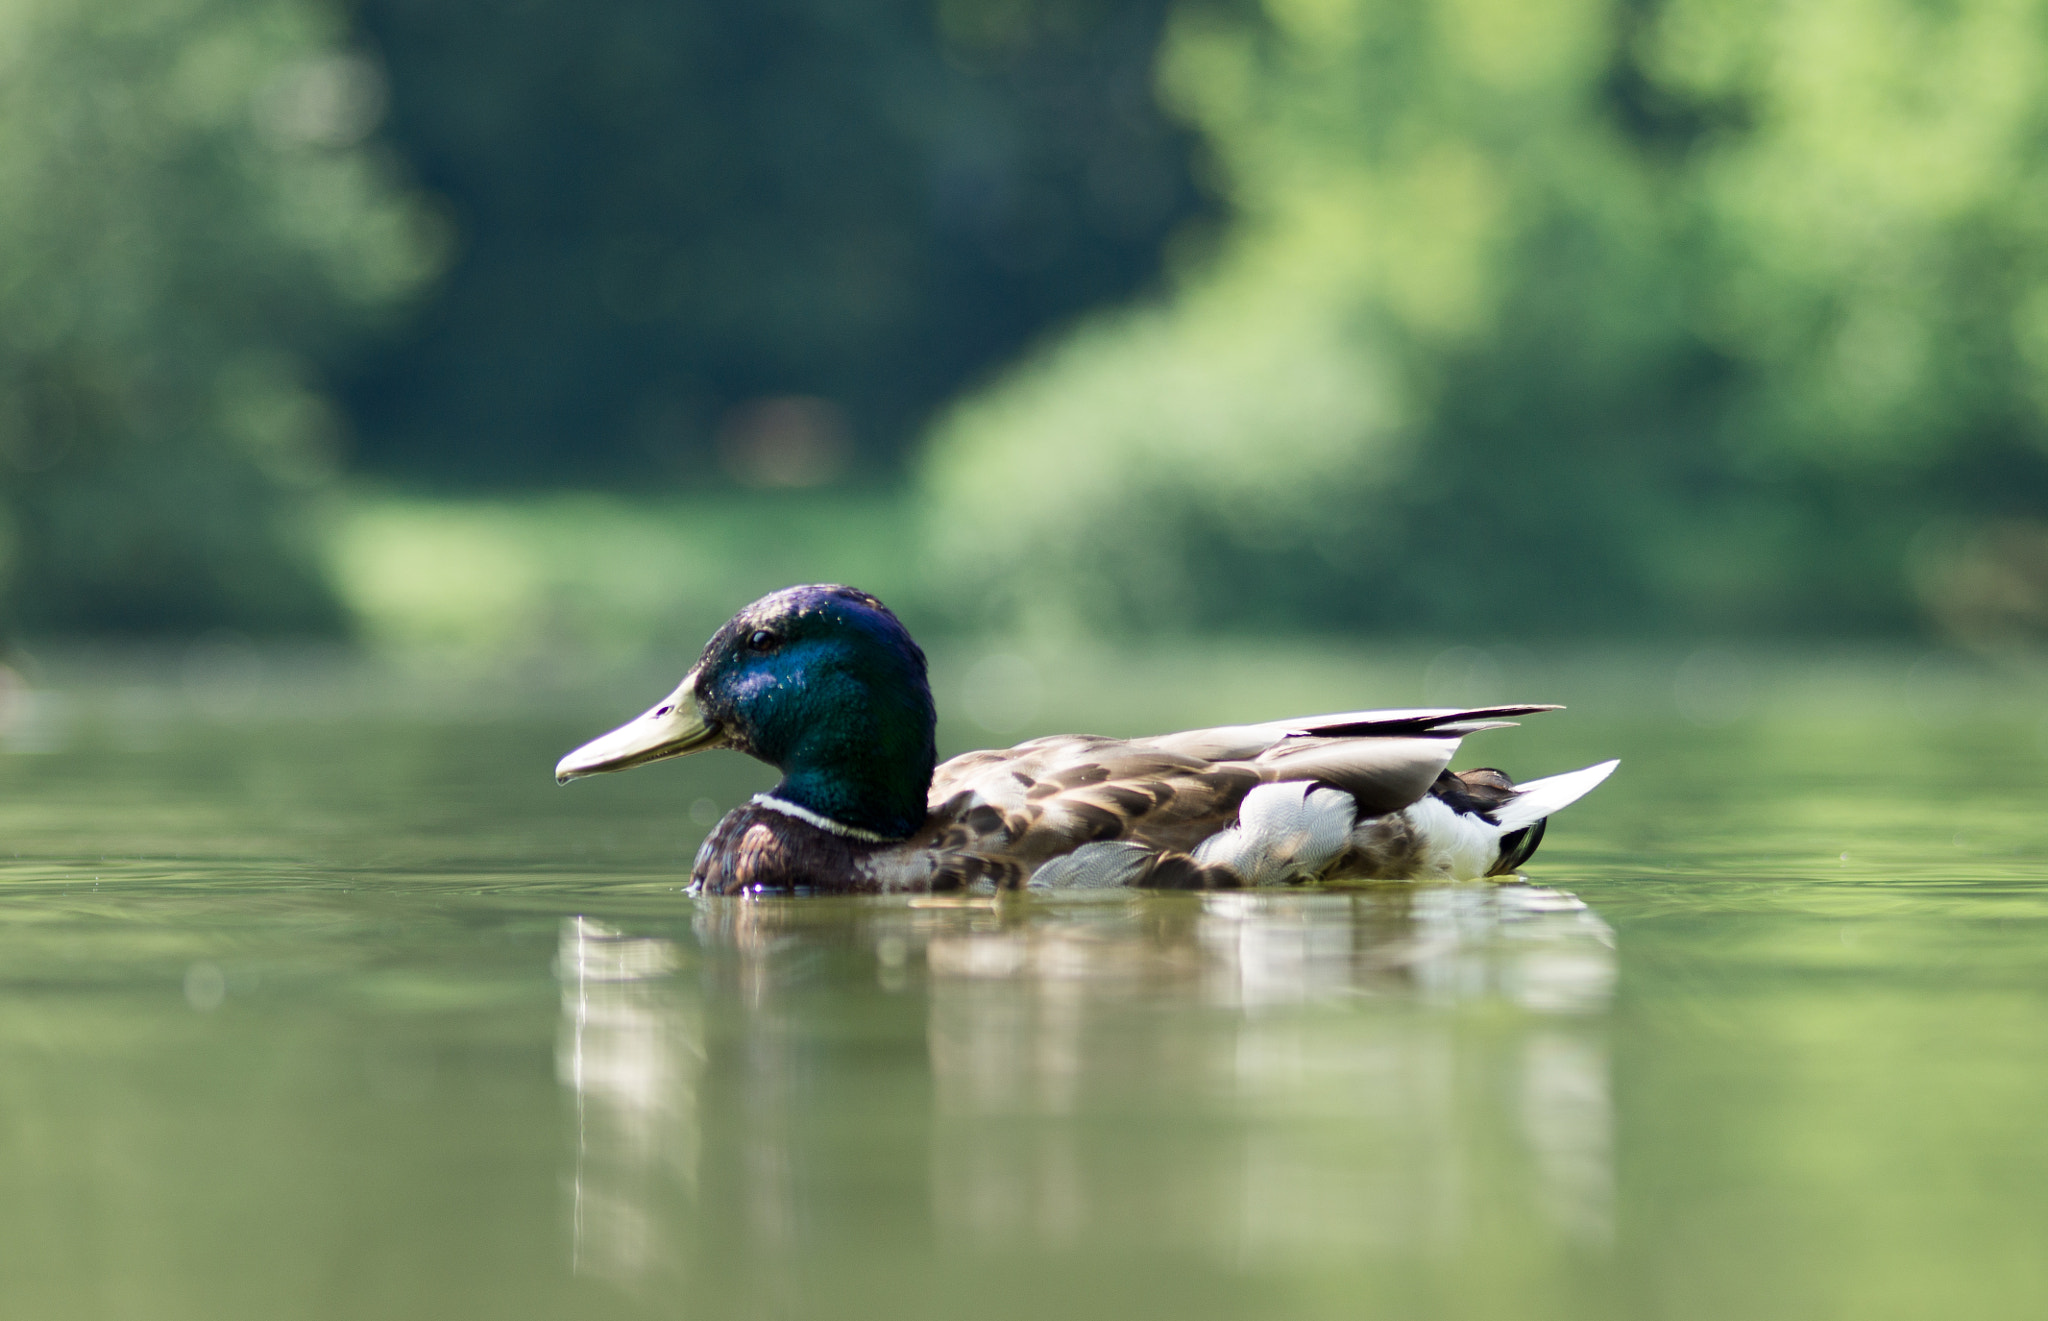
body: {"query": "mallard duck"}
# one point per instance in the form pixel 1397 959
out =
pixel 825 684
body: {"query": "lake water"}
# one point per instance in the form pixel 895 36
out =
pixel 339 1008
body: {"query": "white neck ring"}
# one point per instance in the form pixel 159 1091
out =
pixel 818 819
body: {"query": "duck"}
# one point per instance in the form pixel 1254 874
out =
pixel 826 685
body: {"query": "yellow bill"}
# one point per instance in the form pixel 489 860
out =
pixel 672 729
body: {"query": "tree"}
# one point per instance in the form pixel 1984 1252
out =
pixel 191 217
pixel 1600 314
pixel 689 229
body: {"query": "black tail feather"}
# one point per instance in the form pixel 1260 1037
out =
pixel 1517 847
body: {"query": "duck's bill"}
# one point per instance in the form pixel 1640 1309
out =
pixel 673 728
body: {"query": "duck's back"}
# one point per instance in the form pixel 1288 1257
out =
pixel 1000 816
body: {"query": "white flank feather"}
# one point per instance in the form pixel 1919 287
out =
pixel 1456 846
pixel 1539 798
pixel 1284 832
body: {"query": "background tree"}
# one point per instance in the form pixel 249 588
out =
pixel 188 220
pixel 687 228
pixel 1701 316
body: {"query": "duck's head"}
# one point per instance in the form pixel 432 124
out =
pixel 821 682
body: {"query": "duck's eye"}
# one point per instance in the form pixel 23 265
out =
pixel 763 640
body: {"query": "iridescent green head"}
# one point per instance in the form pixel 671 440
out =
pixel 821 682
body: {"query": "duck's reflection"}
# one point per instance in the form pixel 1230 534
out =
pixel 631 1053
pixel 1262 1076
pixel 1350 1078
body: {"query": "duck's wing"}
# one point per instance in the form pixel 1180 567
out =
pixel 1384 759
pixel 1009 811
pixel 1381 774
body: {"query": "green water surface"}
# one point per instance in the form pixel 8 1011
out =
pixel 304 1015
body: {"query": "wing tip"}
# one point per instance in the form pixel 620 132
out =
pixel 1438 722
pixel 1464 727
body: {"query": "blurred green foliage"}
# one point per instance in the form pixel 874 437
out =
pixel 532 576
pixel 1600 316
pixel 1610 315
pixel 186 222
pixel 673 212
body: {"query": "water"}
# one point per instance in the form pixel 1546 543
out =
pixel 337 1014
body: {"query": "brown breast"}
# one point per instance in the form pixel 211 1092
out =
pixel 757 849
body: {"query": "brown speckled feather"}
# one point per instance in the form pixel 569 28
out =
pixel 1048 796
